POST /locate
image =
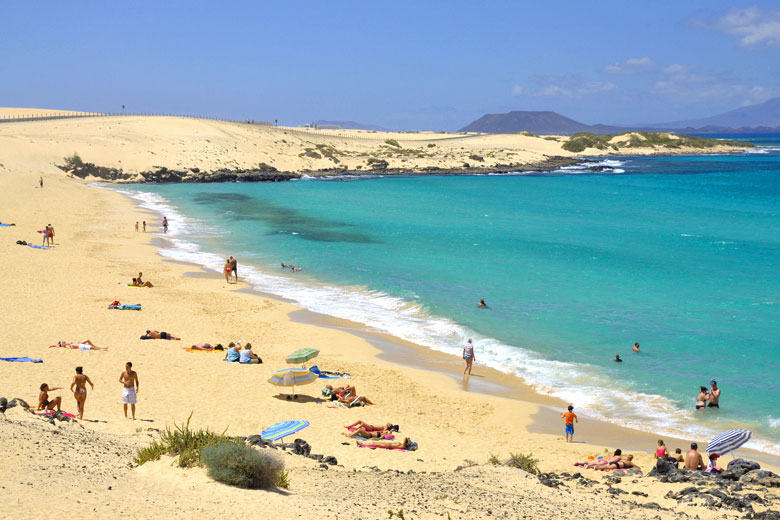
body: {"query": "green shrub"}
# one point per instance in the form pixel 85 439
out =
pixel 74 161
pixel 525 462
pixel 526 133
pixel 184 443
pixel 392 142
pixel 494 460
pixel 242 466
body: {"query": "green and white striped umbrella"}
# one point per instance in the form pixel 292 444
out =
pixel 292 377
pixel 302 355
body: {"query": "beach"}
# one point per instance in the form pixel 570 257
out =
pixel 63 294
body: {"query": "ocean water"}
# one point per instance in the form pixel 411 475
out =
pixel 681 254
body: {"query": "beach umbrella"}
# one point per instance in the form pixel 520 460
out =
pixel 728 441
pixel 302 355
pixel 292 377
pixel 282 429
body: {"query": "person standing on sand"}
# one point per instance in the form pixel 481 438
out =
pixel 129 380
pixel 569 419
pixel 714 395
pixel 234 267
pixel 41 181
pixel 80 393
pixel 636 347
pixel 51 234
pixel 227 269
pixel 468 355
pixel 165 224
pixel 144 226
pixel 136 226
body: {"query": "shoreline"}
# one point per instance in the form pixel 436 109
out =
pixel 491 381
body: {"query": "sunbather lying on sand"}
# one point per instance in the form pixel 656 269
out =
pixel 373 434
pixel 614 459
pixel 363 425
pixel 136 283
pixel 81 345
pixel 353 400
pixel 342 390
pixel 621 464
pixel 154 334
pixel 202 346
pixel 405 444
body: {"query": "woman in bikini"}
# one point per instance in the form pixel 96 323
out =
pixel 621 464
pixel 363 425
pixel 405 444
pixel 701 399
pixel 598 463
pixel 44 403
pixel 661 452
pixel 80 393
pixel 227 270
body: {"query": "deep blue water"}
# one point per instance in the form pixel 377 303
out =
pixel 678 253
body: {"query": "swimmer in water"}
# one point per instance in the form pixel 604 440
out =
pixel 482 303
pixel 617 358
pixel 296 269
pixel 636 347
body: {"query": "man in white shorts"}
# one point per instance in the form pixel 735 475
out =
pixel 129 380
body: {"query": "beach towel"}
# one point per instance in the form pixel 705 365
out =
pixel 38 247
pixel 412 447
pixel 323 374
pixel 52 412
pixel 6 225
pixel 136 307
pixel 22 359
pixel 190 349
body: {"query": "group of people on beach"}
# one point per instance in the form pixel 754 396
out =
pixel 48 235
pixel 231 268
pixel 691 460
pixel 128 378
pixel 379 436
pixel 291 267
pixel 139 282
pixel 346 395
pixel 164 225
pixel 236 354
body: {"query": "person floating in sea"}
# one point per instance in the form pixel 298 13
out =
pixel 285 266
pixel 468 355
pixel 79 389
pixel 714 395
pixel 129 380
pixel 482 303
pixel 296 269
pixel 701 399
pixel 569 419
pixel 165 224
pixel 617 358
pixel 636 347
pixel 44 403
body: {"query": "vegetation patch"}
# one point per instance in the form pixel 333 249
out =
pixel 475 157
pixel 243 466
pixel 525 462
pixel 582 140
pixel 184 443
pixel 527 133
pixel 392 142
pixel 74 161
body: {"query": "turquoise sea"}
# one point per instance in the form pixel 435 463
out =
pixel 681 254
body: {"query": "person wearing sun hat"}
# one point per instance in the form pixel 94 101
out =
pixel 712 467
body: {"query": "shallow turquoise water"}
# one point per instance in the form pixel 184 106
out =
pixel 683 257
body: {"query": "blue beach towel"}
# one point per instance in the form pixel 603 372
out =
pixel 316 370
pixel 136 307
pixel 5 225
pixel 22 359
pixel 38 247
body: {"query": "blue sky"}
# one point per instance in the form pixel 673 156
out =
pixel 403 65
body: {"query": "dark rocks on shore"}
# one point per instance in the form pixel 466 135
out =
pixel 3 404
pixel 18 402
pixel 760 477
pixel 739 467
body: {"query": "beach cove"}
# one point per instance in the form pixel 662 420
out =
pixel 63 293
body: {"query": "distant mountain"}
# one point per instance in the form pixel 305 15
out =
pixel 352 125
pixel 764 117
pixel 535 122
pixel 766 114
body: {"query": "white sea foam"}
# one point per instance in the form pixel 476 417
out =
pixel 774 422
pixel 588 387
pixel 595 166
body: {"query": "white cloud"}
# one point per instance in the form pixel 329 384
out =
pixel 630 66
pixel 573 87
pixel 684 81
pixel 751 26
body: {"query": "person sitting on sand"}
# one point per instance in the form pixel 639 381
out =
pixel 362 425
pixel 154 334
pixel 233 353
pixel 701 399
pixel 614 459
pixel 621 464
pixel 713 467
pixel 693 458
pixel 247 356
pixel 136 283
pixel 354 400
pixel 678 456
pixel 81 345
pixel 405 444
pixel 141 282
pixel 661 452
pixel 44 403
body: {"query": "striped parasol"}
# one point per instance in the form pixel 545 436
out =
pixel 282 429
pixel 728 441
pixel 292 377
pixel 302 355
